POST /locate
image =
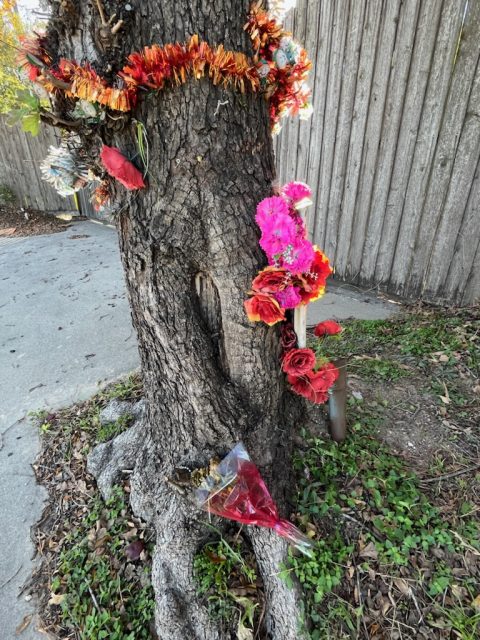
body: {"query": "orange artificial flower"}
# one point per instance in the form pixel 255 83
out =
pixel 271 280
pixel 312 283
pixel 264 308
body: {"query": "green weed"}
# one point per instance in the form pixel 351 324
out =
pixel 218 567
pixel 357 495
pixel 99 600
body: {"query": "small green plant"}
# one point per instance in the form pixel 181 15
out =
pixel 97 600
pixel 111 429
pixel 219 568
pixel 7 196
pixel 378 368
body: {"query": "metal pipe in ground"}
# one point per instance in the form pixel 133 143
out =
pixel 337 403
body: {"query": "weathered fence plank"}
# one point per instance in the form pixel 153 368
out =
pixel 463 257
pixel 440 179
pixel 20 157
pixel 393 148
pixel 384 216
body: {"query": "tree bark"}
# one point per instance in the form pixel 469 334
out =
pixel 189 247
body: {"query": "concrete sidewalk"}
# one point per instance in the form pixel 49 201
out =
pixel 343 301
pixel 64 328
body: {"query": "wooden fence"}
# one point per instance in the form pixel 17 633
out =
pixel 392 149
pixel 20 156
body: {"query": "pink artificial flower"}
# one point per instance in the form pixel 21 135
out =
pixel 296 192
pixel 298 256
pixel 300 224
pixel 289 298
pixel 278 232
pixel 269 207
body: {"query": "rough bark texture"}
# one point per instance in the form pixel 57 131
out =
pixel 189 248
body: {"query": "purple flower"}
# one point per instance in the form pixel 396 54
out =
pixel 289 298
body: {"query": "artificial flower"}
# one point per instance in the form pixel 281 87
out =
pixel 277 234
pixel 264 308
pixel 269 207
pixel 327 328
pixel 298 256
pixel 298 193
pixel 120 168
pixel 312 281
pixel 64 168
pixel 314 385
pixel 289 298
pixel 271 280
pixel 298 362
pixel 288 337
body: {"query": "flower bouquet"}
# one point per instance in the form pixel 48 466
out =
pixel 236 490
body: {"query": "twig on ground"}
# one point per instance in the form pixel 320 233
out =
pixel 454 474
pixel 94 600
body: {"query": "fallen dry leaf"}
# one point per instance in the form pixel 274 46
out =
pixel 369 551
pixel 56 599
pixel 402 586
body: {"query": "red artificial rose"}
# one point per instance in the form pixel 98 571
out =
pixel 298 362
pixel 288 337
pixel 263 308
pixel 120 168
pixel 312 283
pixel 271 280
pixel 327 328
pixel 314 385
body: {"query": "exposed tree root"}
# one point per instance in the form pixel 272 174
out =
pixel 179 613
pixel 109 460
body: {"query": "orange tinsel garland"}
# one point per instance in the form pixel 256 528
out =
pixel 154 66
pixel 278 68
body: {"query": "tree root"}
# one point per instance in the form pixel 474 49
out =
pixel 282 611
pixel 179 613
pixel 109 460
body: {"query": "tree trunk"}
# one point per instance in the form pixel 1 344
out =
pixel 189 247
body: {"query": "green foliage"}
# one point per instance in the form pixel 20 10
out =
pixel 26 112
pixel 111 429
pixel 378 368
pixel 416 334
pixel 99 600
pixel 216 567
pixel 7 196
pixel 11 82
pixel 360 484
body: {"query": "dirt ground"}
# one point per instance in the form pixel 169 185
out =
pixel 15 222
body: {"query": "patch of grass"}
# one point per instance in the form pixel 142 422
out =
pixel 378 368
pixel 224 577
pixel 129 388
pixel 368 513
pixel 94 579
pixel 97 599
pixel 417 334
pixel 108 431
